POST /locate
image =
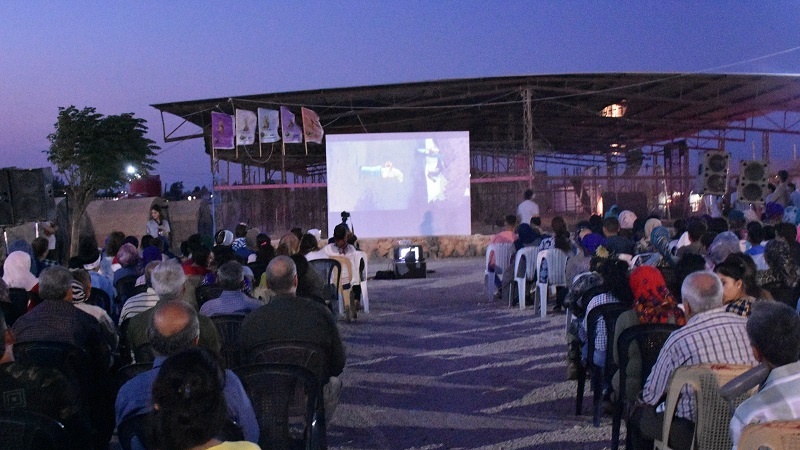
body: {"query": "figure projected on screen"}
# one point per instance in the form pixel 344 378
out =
pixel 434 168
pixel 387 171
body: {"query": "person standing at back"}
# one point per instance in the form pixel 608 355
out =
pixel 528 209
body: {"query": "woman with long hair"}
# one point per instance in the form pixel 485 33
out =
pixel 615 280
pixel 739 289
pixel 157 225
pixel 189 405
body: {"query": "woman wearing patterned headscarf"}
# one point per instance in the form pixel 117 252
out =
pixel 652 303
pixel 782 277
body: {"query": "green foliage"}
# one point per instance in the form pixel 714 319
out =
pixel 92 151
pixel 175 191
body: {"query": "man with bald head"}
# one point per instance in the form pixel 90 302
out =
pixel 711 335
pixel 169 283
pixel 288 317
pixel 174 327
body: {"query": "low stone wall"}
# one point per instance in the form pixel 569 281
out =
pixel 432 246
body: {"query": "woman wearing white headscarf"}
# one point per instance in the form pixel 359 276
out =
pixel 17 272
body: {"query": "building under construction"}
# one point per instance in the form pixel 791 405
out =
pixel 582 142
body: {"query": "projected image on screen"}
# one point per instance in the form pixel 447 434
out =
pixel 400 184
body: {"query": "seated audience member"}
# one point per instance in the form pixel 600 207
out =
pixel 739 289
pixel 309 243
pixel 774 331
pixel 736 223
pixel 617 289
pixel 81 289
pixel 288 317
pixel 239 245
pixel 41 390
pixel 586 244
pixel 787 232
pixel 755 236
pixel 128 259
pixel 41 250
pixel 560 241
pixel 197 263
pixel 652 303
pixel 506 236
pixel 92 261
pixel 723 245
pixel 782 277
pixel 289 245
pixel 687 265
pixel 169 284
pixel 627 219
pixel 645 245
pixel 616 244
pixel 339 246
pixel 711 335
pixel 695 229
pixel 526 237
pixel 56 319
pixel 190 407
pixel 144 300
pixel 259 260
pixel 583 288
pixel 17 272
pixel 232 301
pixel 173 328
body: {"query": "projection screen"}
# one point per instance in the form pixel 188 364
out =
pixel 400 184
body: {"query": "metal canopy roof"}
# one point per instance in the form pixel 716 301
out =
pixel 566 110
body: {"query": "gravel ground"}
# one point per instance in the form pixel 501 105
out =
pixel 436 364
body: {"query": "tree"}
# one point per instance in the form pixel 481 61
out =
pixel 92 152
pixel 175 191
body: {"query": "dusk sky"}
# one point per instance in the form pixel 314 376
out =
pixel 123 56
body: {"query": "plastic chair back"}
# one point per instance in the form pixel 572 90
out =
pixel 643 343
pixel 363 273
pixel 330 271
pixel 607 315
pixel 21 429
pixel 645 259
pixel 777 435
pixel 19 300
pixel 346 287
pixel 228 328
pixel 272 388
pixel 502 258
pixel 712 427
pixel 524 270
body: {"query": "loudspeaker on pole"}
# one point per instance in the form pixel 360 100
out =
pixel 714 173
pixel 753 177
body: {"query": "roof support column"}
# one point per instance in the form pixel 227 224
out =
pixel 528 137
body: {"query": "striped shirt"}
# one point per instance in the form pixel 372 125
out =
pixel 714 336
pixel 137 304
pixel 778 399
pixel 602 337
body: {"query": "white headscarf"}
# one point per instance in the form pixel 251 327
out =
pixel 17 271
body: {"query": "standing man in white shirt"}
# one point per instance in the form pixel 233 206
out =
pixel 528 208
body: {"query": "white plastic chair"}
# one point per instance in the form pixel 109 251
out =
pixel 645 259
pixel 502 258
pixel 348 277
pixel 555 275
pixel 363 271
pixel 526 255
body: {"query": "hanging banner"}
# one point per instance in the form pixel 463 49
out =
pixel 268 120
pixel 291 131
pixel 221 130
pixel 245 127
pixel 312 129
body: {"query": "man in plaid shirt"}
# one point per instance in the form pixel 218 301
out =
pixel 711 335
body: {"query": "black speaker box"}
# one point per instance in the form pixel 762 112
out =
pixel 6 208
pixel 714 172
pixel 753 180
pixel 32 194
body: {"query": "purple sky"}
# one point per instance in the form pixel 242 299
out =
pixel 123 56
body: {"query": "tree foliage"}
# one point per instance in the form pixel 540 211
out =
pixel 92 151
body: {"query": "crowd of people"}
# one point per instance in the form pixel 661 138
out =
pixel 133 300
pixel 729 284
